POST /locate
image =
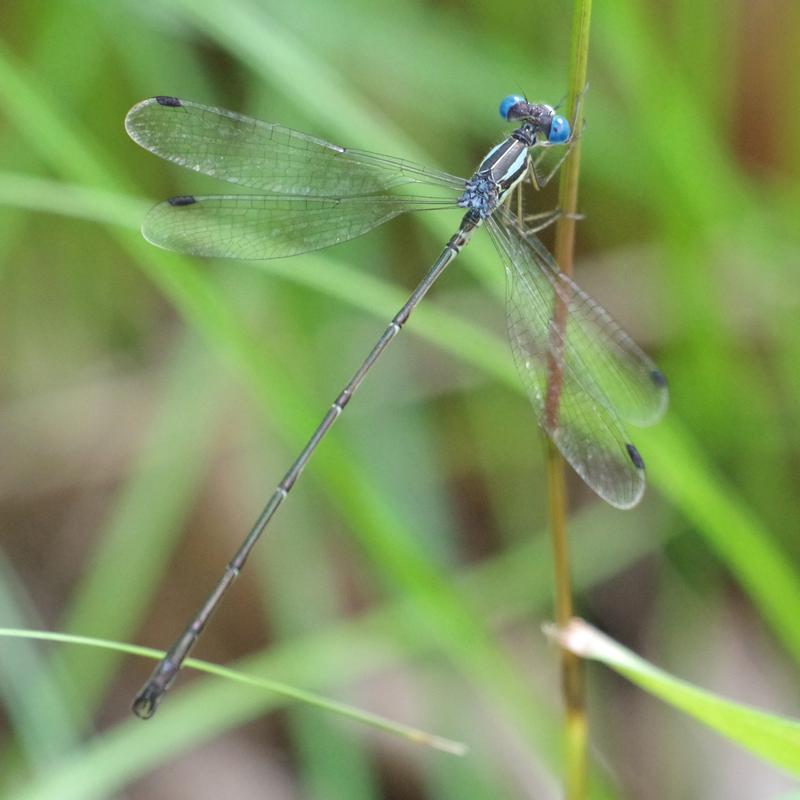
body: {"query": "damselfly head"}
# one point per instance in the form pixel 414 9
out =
pixel 552 126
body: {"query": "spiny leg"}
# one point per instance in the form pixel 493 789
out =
pixel 533 223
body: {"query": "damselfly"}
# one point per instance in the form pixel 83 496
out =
pixel 584 375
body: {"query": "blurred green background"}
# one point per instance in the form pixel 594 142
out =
pixel 149 403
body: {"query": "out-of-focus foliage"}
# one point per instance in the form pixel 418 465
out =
pixel 148 404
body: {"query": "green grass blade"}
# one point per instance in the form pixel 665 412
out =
pixel 33 696
pixel 135 551
pixel 277 687
pixel 684 474
pixel 772 737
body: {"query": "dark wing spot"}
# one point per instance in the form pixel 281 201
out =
pixel 658 377
pixel 164 100
pixel 182 200
pixel 633 453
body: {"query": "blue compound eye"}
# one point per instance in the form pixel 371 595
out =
pixel 508 103
pixel 559 130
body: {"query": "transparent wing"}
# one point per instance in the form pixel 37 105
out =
pixel 261 227
pixel 266 156
pixel 603 377
pixel 614 369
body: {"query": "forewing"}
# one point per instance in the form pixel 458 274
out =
pixel 602 375
pixel 266 156
pixel 261 227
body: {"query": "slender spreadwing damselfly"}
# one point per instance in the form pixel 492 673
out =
pixel 583 374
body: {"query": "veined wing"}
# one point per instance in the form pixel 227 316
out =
pixel 612 367
pixel 261 227
pixel 266 156
pixel 603 376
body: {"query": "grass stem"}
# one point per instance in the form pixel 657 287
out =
pixel 572 673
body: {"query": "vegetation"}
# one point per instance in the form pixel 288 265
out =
pixel 150 402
